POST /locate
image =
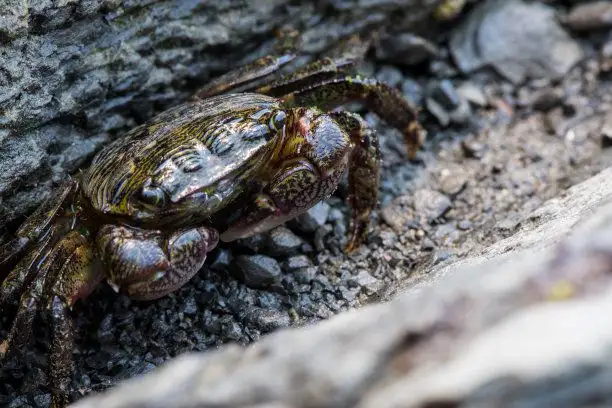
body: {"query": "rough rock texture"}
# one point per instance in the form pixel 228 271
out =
pixel 523 323
pixel 519 39
pixel 78 73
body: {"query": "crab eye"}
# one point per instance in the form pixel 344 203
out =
pixel 153 195
pixel 277 121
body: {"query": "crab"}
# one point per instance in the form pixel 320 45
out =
pixel 242 156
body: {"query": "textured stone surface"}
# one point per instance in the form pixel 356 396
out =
pixel 519 39
pixel 523 323
pixel 78 73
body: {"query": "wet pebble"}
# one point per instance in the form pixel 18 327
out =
pixel 606 132
pixel 446 104
pixel 472 93
pixel 588 16
pixel 255 243
pixel 296 262
pixel 465 225
pixel 256 270
pixel 453 180
pixel 222 259
pixel 413 91
pixel 366 281
pixel 42 400
pixel 267 320
pixel 431 204
pixel 305 275
pixel 405 49
pixel 547 98
pixel 389 75
pixel 314 217
pixel 472 148
pixel 282 241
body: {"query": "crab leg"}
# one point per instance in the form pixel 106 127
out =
pixel 35 225
pixel 60 367
pixel 285 51
pixel 364 175
pixel 385 101
pixel 349 53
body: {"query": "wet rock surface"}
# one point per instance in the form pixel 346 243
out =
pixel 480 179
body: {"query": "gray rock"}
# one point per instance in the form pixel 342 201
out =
pixel 520 40
pixel 595 15
pixel 314 217
pixel 282 241
pixel 405 49
pixel 449 336
pixel 297 262
pixel 431 204
pixel 256 270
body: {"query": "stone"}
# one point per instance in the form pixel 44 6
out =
pixel 256 270
pixel 431 204
pixel 282 241
pixel 314 218
pixel 405 49
pixel 538 47
pixel 297 262
pixel 595 15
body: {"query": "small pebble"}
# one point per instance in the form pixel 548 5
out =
pixel 595 15
pixel 453 180
pixel 465 225
pixel 431 204
pixel 282 241
pixel 314 217
pixel 473 149
pixel 297 262
pixel 256 270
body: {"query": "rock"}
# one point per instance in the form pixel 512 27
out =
pixel 390 75
pixel 314 217
pixel 446 104
pixel 472 93
pixel 537 47
pixel 405 49
pixel 472 148
pixel 267 320
pixel 282 241
pixel 453 180
pixel 258 271
pixel 297 262
pixel 431 204
pixel 547 98
pixel 367 282
pixel 606 132
pixel 455 341
pixel 595 15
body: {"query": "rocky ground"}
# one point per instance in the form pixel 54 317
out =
pixel 515 114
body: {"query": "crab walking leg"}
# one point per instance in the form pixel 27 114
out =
pixel 349 53
pixel 363 177
pixel 23 273
pixel 66 271
pixel 385 101
pixel 62 343
pixel 35 225
pixel 285 51
pixel 146 266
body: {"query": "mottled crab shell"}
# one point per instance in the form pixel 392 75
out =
pixel 195 153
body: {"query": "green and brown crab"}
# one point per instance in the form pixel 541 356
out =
pixel 153 203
